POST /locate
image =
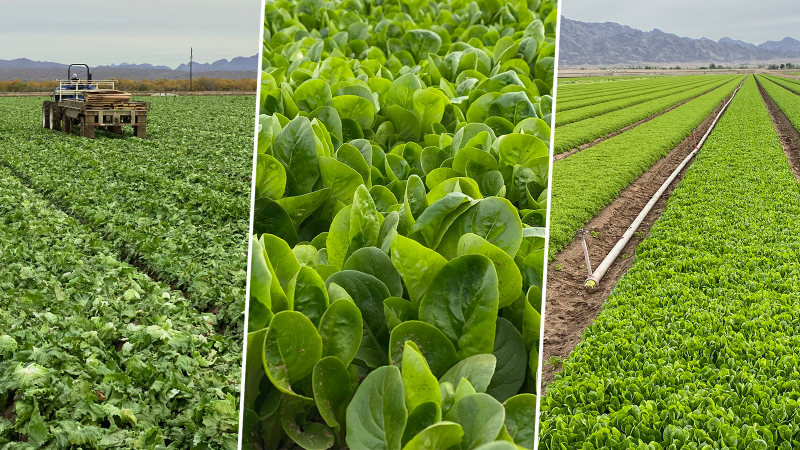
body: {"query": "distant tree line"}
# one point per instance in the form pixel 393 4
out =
pixel 162 85
pixel 782 66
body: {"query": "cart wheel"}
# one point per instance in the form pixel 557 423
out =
pixel 116 129
pixel 140 131
pixel 87 129
pixel 55 117
pixel 46 115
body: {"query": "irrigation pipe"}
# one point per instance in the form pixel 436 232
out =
pixel 594 279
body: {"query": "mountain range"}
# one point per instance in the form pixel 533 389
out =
pixel 26 69
pixel 614 45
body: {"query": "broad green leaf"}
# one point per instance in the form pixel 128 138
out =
pixel 511 354
pixel 340 178
pixel 401 93
pixel 368 293
pixel 433 222
pixel 508 275
pixel 308 435
pixel 301 207
pixel 334 70
pixel 308 294
pixel 420 418
pixel 522 149
pixel 478 370
pixel 521 419
pixel 481 417
pixel 255 375
pixel 376 417
pixel 353 158
pixel 355 108
pixel 421 42
pixel 512 106
pixel 373 261
pixel 261 281
pixel 339 237
pixel 495 219
pixel 364 223
pixel 332 390
pixel 270 177
pixel 440 436
pixel 296 149
pixel 312 94
pixel 420 385
pixel 462 301
pixel 434 345
pixel 407 125
pixel 341 329
pixel 398 310
pixel 291 349
pixel 416 264
pixel 536 127
pixel 270 218
pixel 429 107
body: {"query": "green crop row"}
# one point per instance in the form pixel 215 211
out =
pixel 157 200
pixel 581 98
pixel 789 83
pixel 580 81
pixel 697 346
pixel 605 106
pixel 579 92
pixel 787 101
pixel 400 203
pixel 578 133
pixel 93 353
pixel 589 180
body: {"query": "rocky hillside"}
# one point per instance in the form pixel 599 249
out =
pixel 614 45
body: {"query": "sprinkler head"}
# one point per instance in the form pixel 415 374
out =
pixel 591 283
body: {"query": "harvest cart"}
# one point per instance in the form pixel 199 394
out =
pixel 84 105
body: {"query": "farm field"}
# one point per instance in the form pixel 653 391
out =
pixel 696 345
pixel 400 212
pixel 589 128
pixel 129 259
pixel 602 171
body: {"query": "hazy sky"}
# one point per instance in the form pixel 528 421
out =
pixel 751 21
pixel 156 31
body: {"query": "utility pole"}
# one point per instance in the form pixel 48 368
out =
pixel 191 56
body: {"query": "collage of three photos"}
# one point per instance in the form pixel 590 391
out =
pixel 400 225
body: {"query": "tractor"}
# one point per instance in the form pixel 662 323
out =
pixel 82 105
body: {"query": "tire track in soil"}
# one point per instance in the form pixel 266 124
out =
pixel 569 309
pixel 790 138
pixel 582 147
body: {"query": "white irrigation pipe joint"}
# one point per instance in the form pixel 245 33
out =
pixel 593 281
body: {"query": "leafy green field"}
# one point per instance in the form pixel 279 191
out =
pixel 585 95
pixel 697 347
pixel 401 191
pixel 603 105
pixel 587 181
pixel 99 353
pixel 577 133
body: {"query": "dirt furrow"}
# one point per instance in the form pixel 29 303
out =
pixel 569 309
pixel 790 138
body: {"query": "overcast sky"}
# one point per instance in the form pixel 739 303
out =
pixel 751 21
pixel 159 32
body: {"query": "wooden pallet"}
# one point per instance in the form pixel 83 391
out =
pixel 110 99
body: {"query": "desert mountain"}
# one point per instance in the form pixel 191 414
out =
pixel 614 45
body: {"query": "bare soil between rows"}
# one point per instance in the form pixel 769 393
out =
pixel 569 309
pixel 790 138
pixel 582 147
